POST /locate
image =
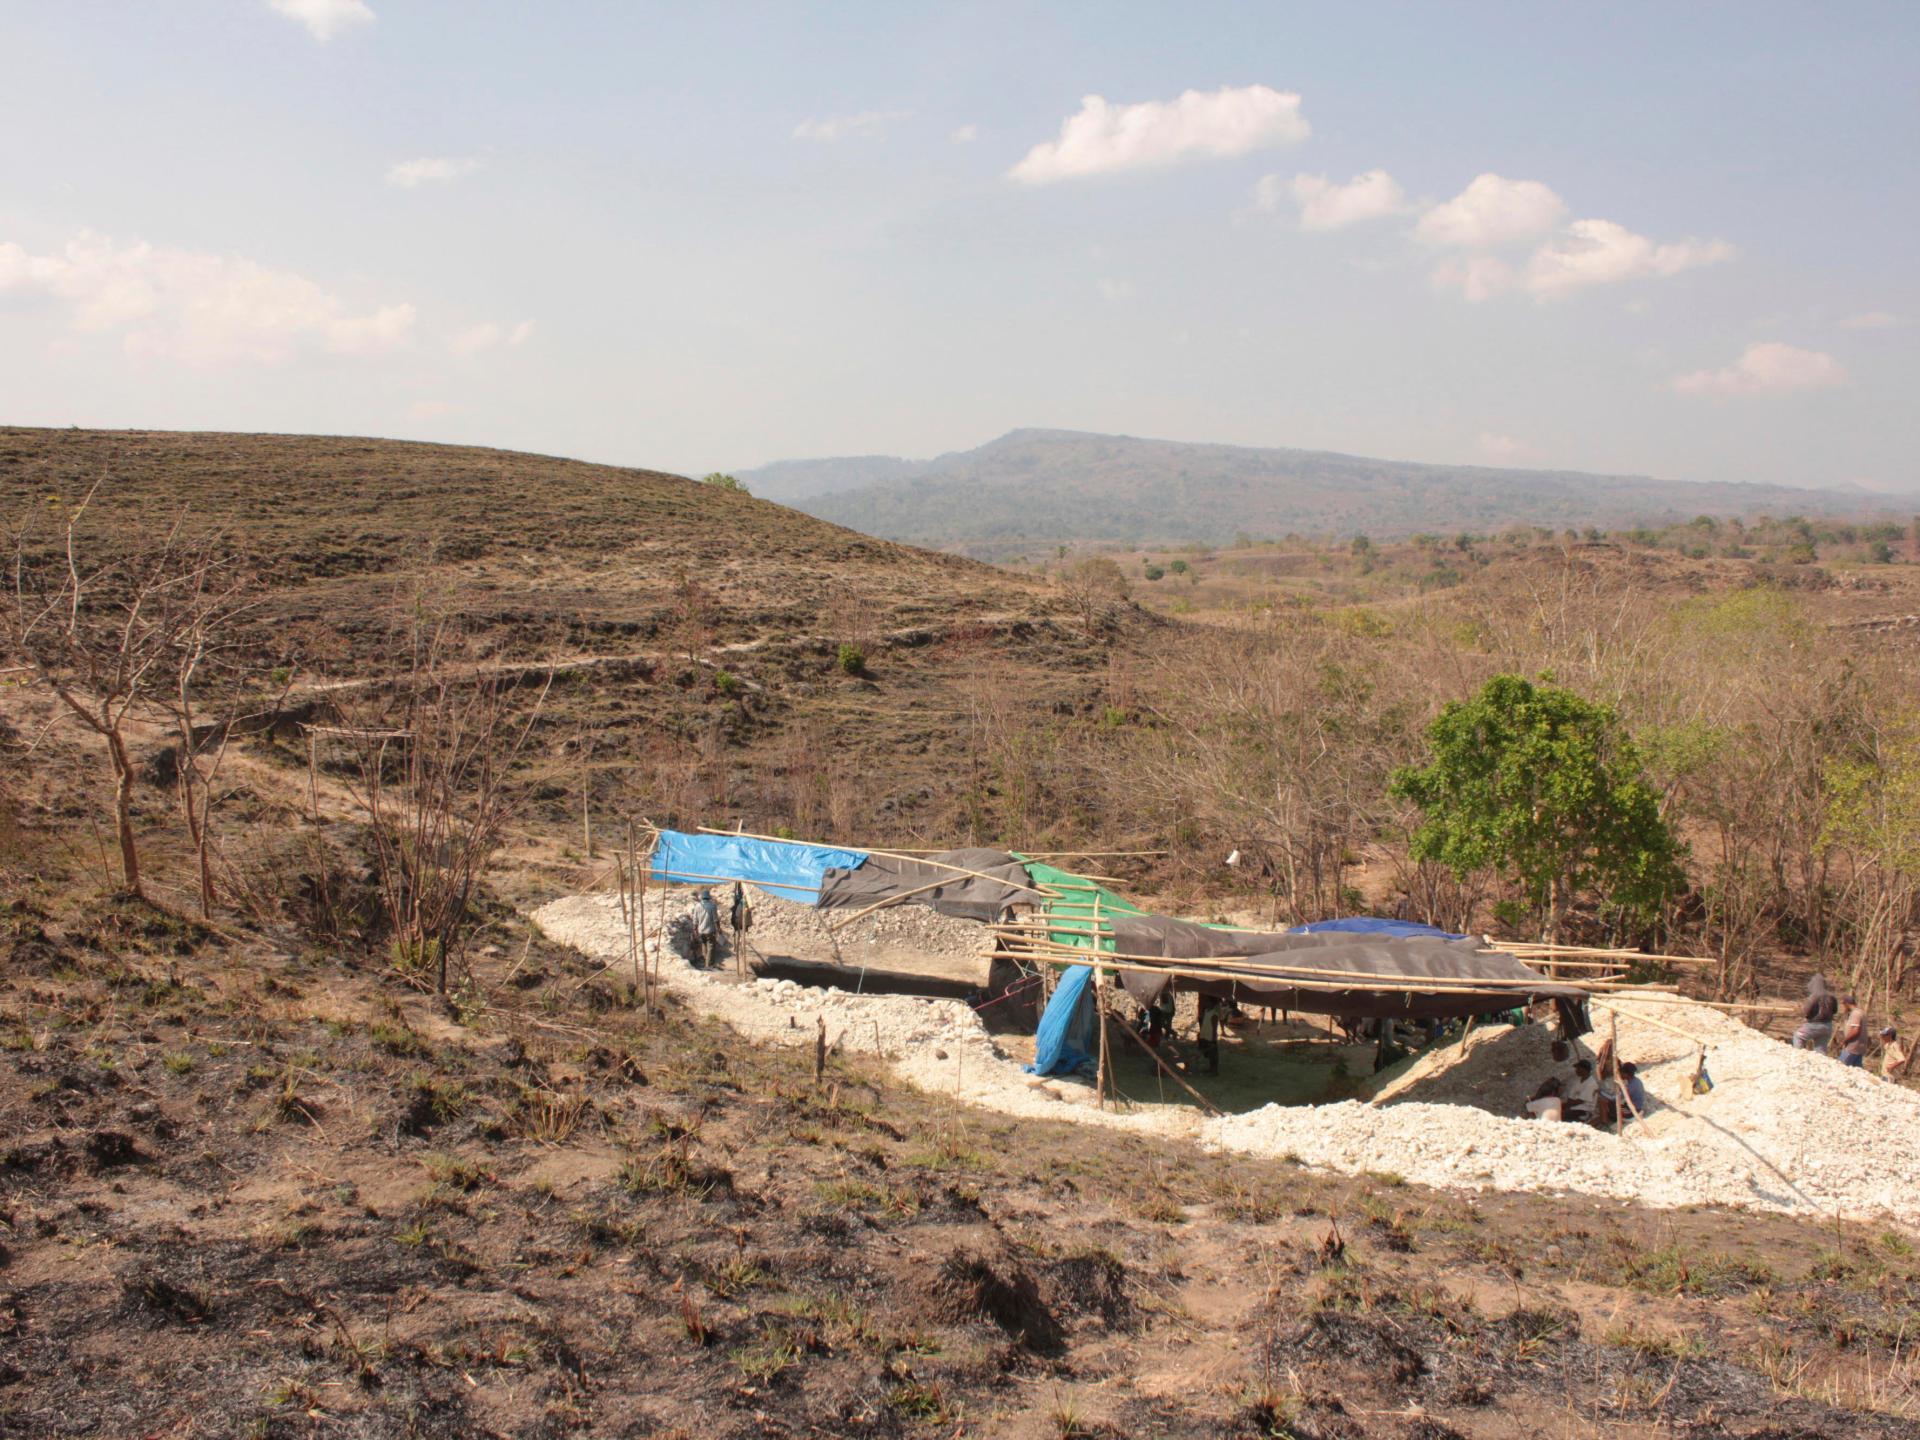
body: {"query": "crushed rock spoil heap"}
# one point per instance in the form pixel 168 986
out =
pixel 1783 1129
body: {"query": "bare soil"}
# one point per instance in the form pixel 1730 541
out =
pixel 249 1192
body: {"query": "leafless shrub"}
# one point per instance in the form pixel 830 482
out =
pixel 435 779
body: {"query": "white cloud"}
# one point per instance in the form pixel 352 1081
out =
pixel 1101 137
pixel 1506 449
pixel 1767 368
pixel 486 335
pixel 1479 277
pixel 325 19
pixel 1114 289
pixel 1327 206
pixel 408 174
pixel 196 308
pixel 867 125
pixel 1872 320
pixel 1600 252
pixel 966 134
pixel 1490 213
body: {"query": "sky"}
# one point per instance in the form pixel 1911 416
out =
pixel 1677 240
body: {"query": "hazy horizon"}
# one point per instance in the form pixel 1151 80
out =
pixel 1644 241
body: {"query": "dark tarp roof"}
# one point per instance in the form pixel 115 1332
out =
pixel 883 877
pixel 1410 960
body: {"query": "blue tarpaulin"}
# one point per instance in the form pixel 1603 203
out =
pixel 1375 925
pixel 792 872
pixel 1065 1034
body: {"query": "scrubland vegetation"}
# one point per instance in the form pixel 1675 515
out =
pixel 310 1133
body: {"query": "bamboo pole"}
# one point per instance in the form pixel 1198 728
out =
pixel 1168 1071
pixel 672 875
pixel 887 854
pixel 890 900
pixel 1320 979
pixel 1100 1004
pixel 633 911
pixel 1657 1024
pixel 1085 854
pixel 1226 965
pixel 648 966
pixel 1264 979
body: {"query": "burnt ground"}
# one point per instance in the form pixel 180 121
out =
pixel 246 1190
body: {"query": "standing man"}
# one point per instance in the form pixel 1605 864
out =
pixel 1816 1016
pixel 1210 1008
pixel 706 929
pixel 1853 1038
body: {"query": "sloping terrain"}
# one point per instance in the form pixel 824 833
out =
pixel 250 1191
pixel 716 654
pixel 1034 488
pixel 545 554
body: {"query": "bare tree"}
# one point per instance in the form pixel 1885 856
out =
pixel 105 637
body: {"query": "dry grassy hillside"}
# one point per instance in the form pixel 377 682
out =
pixel 544 553
pixel 718 655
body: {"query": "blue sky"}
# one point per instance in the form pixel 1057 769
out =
pixel 1671 239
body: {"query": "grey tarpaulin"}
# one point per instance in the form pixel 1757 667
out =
pixel 1407 960
pixel 965 897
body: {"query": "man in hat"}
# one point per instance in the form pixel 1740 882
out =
pixel 706 929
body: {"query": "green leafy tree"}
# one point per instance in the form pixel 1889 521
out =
pixel 1545 785
pixel 723 482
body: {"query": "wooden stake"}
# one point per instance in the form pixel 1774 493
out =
pixel 633 911
pixel 1100 1007
pixel 1168 1070
pixel 648 967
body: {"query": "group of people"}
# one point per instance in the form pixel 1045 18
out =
pixel 1155 1026
pixel 1818 1015
pixel 1589 1098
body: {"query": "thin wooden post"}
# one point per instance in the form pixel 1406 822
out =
pixel 586 812
pixel 1100 1005
pixel 1100 1009
pixel 633 912
pixel 647 965
pixel 313 774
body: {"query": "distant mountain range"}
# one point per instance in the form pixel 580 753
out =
pixel 1034 488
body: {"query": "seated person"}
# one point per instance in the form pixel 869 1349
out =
pixel 1583 1093
pixel 1546 1102
pixel 1636 1092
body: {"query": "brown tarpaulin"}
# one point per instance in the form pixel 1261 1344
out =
pixel 882 877
pixel 1409 960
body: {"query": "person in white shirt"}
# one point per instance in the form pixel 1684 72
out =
pixel 1546 1103
pixel 1580 1096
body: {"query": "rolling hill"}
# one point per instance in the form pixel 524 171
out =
pixel 1033 488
